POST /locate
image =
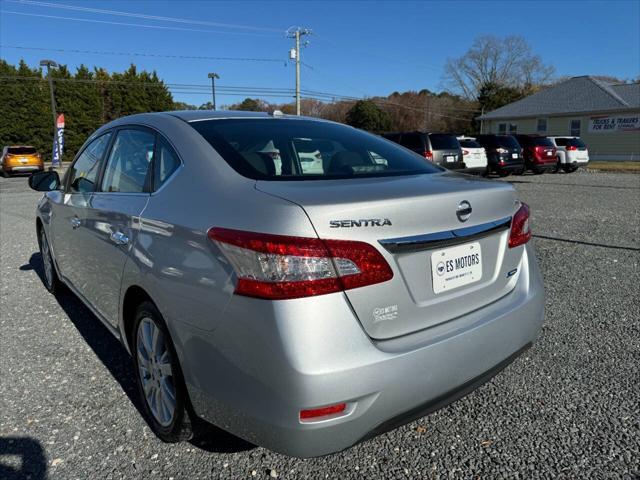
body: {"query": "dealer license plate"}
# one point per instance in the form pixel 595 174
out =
pixel 450 158
pixel 456 266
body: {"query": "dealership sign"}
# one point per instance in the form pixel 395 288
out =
pixel 614 124
pixel 58 141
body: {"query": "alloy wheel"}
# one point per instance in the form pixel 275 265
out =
pixel 156 374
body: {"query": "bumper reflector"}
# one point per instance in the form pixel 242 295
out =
pixel 316 413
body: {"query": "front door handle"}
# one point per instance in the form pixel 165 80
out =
pixel 75 222
pixel 119 238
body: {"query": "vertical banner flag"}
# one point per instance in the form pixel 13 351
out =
pixel 57 155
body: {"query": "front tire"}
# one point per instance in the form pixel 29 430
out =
pixel 159 377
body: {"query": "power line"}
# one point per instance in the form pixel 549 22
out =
pixel 143 16
pixel 140 54
pixel 142 25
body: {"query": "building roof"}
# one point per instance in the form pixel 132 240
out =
pixel 575 95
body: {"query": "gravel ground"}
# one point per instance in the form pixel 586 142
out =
pixel 569 408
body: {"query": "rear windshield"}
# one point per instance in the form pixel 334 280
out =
pixel 288 149
pixel 573 142
pixel 21 150
pixel 505 141
pixel 443 141
pixel 467 143
pixel 542 142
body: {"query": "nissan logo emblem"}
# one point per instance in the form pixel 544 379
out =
pixel 464 211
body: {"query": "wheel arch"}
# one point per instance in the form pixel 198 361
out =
pixel 132 298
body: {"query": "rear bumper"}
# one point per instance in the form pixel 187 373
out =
pixel 268 360
pixel 23 168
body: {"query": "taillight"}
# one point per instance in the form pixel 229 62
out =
pixel 520 229
pixel 572 147
pixel 465 152
pixel 428 154
pixel 280 267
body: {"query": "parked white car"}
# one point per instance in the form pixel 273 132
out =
pixel 474 155
pixel 572 153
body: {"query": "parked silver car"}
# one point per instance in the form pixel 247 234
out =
pixel 301 310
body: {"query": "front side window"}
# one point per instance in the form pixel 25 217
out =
pixel 575 128
pixel 542 125
pixel 288 149
pixel 84 171
pixel 127 169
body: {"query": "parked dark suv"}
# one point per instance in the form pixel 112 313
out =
pixel 441 148
pixel 504 154
pixel 539 153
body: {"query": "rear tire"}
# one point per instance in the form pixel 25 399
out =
pixel 159 377
pixel 50 276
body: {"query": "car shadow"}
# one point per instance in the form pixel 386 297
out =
pixel 32 460
pixel 119 363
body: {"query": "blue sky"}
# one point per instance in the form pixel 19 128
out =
pixel 357 48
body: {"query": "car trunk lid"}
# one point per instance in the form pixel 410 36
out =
pixel 412 221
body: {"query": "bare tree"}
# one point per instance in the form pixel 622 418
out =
pixel 505 61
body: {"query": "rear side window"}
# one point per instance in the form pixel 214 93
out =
pixel 84 172
pixel 165 163
pixel 128 165
pixel 468 143
pixel 291 149
pixel 443 141
pixel 21 151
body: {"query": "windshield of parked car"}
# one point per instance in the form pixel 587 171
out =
pixel 21 151
pixel 443 141
pixel 291 149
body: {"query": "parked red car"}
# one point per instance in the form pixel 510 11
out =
pixel 539 153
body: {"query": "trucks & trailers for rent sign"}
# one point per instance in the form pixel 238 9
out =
pixel 630 123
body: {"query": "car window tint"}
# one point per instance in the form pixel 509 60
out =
pixel 443 141
pixel 467 143
pixel 412 141
pixel 84 172
pixel 128 165
pixel 507 141
pixel 21 151
pixel 288 149
pixel 542 142
pixel 165 164
pixel 576 142
pixel 561 142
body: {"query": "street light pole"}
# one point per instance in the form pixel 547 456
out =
pixel 213 77
pixel 51 64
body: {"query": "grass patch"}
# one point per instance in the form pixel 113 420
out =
pixel 628 167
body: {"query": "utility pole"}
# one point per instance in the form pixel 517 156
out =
pixel 213 77
pixel 296 33
pixel 51 64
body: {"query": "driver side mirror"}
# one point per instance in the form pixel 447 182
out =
pixel 44 181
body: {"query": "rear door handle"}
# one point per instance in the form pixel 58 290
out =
pixel 75 222
pixel 119 238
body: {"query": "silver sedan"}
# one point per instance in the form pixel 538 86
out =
pixel 299 283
